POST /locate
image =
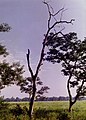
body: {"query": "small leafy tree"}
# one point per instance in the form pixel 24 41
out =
pixel 71 53
pixel 52 23
pixel 9 73
pixel 26 86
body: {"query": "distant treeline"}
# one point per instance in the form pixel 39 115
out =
pixel 60 98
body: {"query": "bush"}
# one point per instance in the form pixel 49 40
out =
pixel 63 115
pixel 17 110
pixel 4 109
pixel 40 113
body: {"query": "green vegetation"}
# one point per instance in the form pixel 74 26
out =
pixel 57 47
pixel 57 110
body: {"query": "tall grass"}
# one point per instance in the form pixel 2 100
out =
pixel 44 111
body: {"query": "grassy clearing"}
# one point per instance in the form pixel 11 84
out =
pixel 57 110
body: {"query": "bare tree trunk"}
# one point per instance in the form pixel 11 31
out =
pixel 70 105
pixel 71 102
pixel 69 92
pixel 32 100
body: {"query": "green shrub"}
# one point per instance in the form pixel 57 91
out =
pixel 4 109
pixel 40 113
pixel 17 110
pixel 63 115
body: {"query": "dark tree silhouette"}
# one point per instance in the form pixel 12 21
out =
pixel 71 53
pixel 26 86
pixel 9 73
pixel 4 27
pixel 3 51
pixel 52 23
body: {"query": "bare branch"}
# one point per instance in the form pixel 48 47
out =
pixel 28 61
pixel 59 31
pixel 49 29
pixel 40 61
pixel 62 22
pixel 58 11
pixel 62 13
pixel 48 6
pixel 52 15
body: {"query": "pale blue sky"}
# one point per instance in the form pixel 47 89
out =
pixel 28 19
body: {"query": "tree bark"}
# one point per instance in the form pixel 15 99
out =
pixel 70 105
pixel 32 100
pixel 69 92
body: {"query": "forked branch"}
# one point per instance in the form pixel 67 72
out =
pixel 53 15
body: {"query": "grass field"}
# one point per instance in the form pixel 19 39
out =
pixel 57 110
